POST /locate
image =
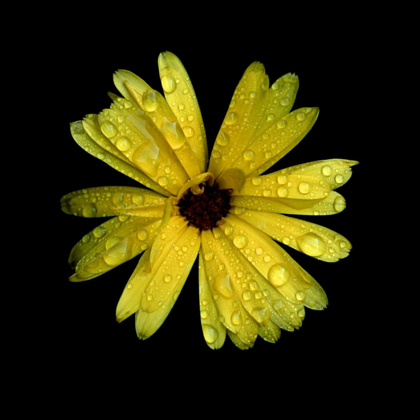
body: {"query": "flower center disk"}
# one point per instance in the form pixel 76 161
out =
pixel 205 210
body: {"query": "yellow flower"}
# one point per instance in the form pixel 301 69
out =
pixel 224 211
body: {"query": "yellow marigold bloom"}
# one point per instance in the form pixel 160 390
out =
pixel 222 210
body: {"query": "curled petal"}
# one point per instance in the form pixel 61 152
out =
pixel 111 244
pixel 214 331
pixel 309 238
pixel 111 201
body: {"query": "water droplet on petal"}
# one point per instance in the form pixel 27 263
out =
pixel 99 231
pixel 204 314
pixel 311 244
pixel 109 129
pixel 301 116
pixel 339 179
pixel 282 124
pixel 285 101
pixel 210 333
pixel 90 210
pixel 123 144
pixel 236 318
pixel 300 296
pixel 167 278
pixel 326 170
pixel 304 188
pixel 248 155
pixel 163 181
pixel 223 285
pixel 339 204
pixel 168 83
pixel 231 118
pixel 138 199
pixel 282 179
pixel 142 235
pixel 278 275
pixel 208 256
pixel 223 139
pixel 247 295
pixel 257 180
pixel 188 131
pixel 240 241
pixel 282 192
pixel 261 315
pixel 117 251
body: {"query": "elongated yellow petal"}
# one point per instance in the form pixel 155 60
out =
pixel 245 111
pixel 169 271
pixel 130 86
pixel 276 142
pixel 111 201
pixel 181 98
pixel 171 265
pixel 275 265
pixel 309 238
pixel 111 244
pixel 280 185
pixel 129 302
pixel 135 135
pixel 113 157
pixel 334 203
pixel 214 331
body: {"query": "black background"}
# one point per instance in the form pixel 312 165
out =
pixel 76 334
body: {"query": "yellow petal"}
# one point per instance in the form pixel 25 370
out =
pixel 111 244
pixel 113 157
pixel 309 238
pixel 171 265
pixel 275 265
pixel 214 331
pixel 281 184
pixel 238 342
pixel 245 111
pixel 129 302
pixel 181 98
pixel 130 86
pixel 334 203
pixel 135 135
pixel 276 142
pixel 111 201
pixel 169 271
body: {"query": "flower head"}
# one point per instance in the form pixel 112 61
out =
pixel 222 210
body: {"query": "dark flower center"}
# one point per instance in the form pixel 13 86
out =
pixel 205 210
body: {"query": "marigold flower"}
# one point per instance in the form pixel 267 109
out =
pixel 222 209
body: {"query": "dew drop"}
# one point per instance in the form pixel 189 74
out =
pixel 223 139
pixel 138 199
pixel 285 101
pixel 301 116
pixel 208 256
pixel 311 244
pixel 90 210
pixel 266 193
pixel 228 230
pixel 300 296
pixel 109 129
pixel 210 334
pixel 257 180
pixel 326 170
pixel 168 83
pixel 282 179
pixel 117 253
pixel 278 275
pixel 282 124
pixel 261 315
pixel 248 155
pixel 304 188
pixel 247 295
pixel 259 251
pixel 86 239
pixel 236 318
pixel 142 235
pixel 223 285
pixel 204 314
pixel 150 103
pixel 163 181
pixel 270 117
pixel 282 192
pixel 123 144
pixel 167 278
pixel 231 118
pixel 339 179
pixel 188 131
pixel 240 241
pixel 339 204
pixel 99 231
